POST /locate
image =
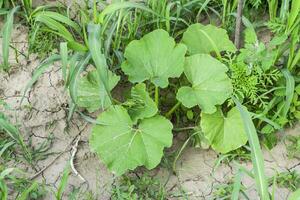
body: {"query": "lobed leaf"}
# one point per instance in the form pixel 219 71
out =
pixel 121 144
pixel 207 39
pixel 155 57
pixel 224 133
pixel 210 84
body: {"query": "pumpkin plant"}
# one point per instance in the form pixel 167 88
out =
pixel 135 132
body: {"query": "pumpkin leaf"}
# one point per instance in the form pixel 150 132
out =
pixel 123 145
pixel 206 39
pixel 224 133
pixel 210 84
pixel 155 57
pixel 89 93
pixel 142 104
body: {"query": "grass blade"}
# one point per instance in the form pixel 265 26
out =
pixel 25 193
pixel 256 153
pixel 237 185
pixel 14 133
pixel 63 183
pixel 6 34
pixel 64 59
pixel 74 76
pixel 295 10
pixel 77 46
pixel 121 5
pixel 98 58
pixel 289 91
pixel 55 25
pixel 38 72
pixel 63 19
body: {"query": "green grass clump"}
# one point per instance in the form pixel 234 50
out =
pixel 135 187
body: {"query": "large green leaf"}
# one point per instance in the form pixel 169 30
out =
pixel 141 104
pixel 89 93
pixel 155 57
pixel 123 145
pixel 224 133
pixel 206 39
pixel 210 84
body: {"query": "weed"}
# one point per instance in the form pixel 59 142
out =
pixel 224 191
pixel 43 42
pixel 135 187
pixel 293 146
pixel 17 186
pixel 289 180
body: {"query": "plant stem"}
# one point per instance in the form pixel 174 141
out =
pixel 156 95
pixel 238 24
pixel 170 112
pixel 184 128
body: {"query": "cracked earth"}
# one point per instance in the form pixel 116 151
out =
pixel 42 116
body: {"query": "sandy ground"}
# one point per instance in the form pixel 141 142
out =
pixel 43 113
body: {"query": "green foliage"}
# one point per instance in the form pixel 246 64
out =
pixel 90 89
pixel 289 180
pixel 63 183
pixel 134 188
pixel 155 57
pixel 130 144
pixel 215 39
pixel 225 191
pixel 295 195
pixel 134 38
pixel 256 153
pixel 8 128
pixel 140 105
pixel 293 146
pixel 12 180
pixel 224 133
pixel 6 37
pixel 42 42
pixel 210 84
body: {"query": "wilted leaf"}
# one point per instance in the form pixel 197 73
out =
pixel 123 145
pixel 155 57
pixel 210 84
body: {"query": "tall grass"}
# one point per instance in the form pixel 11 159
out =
pixel 6 37
pixel 256 153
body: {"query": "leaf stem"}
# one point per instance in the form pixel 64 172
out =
pixel 170 112
pixel 184 128
pixel 156 95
